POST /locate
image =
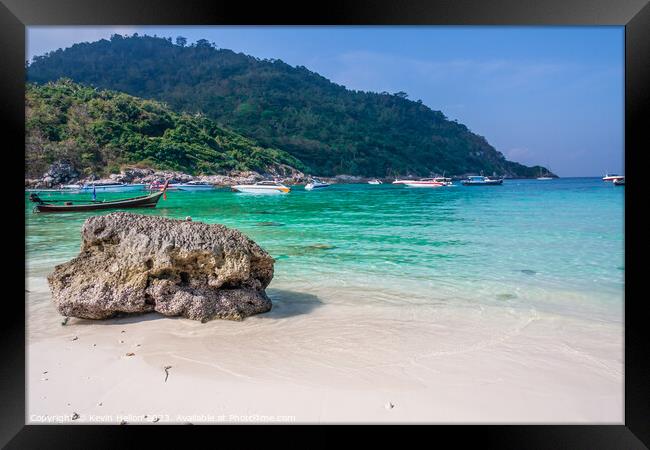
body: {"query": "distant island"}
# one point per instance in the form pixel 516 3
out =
pixel 203 110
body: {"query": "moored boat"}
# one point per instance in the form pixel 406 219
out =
pixel 111 187
pixel 48 205
pixel 315 183
pixel 375 181
pixel 619 181
pixel 195 186
pixel 444 180
pixel 158 186
pixel 425 183
pixel 612 177
pixel 480 180
pixel 262 187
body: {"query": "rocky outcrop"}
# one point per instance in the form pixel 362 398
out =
pixel 133 264
pixel 284 173
pixel 57 174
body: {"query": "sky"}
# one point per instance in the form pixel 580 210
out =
pixel 552 96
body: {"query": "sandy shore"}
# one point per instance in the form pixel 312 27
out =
pixel 316 358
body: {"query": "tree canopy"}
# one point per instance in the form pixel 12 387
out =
pixel 98 131
pixel 331 129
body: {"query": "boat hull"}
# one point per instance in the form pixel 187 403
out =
pixel 194 188
pixel 424 185
pixel 258 190
pixel 482 183
pixel 146 201
pixel 311 187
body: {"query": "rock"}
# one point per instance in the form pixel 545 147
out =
pixel 131 263
pixel 59 173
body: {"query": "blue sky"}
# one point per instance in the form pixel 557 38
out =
pixel 541 95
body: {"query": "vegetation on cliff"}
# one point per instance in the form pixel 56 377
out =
pixel 331 129
pixel 97 131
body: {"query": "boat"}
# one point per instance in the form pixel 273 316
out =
pixel 619 181
pixel 158 185
pixel 262 187
pixel 612 177
pixel 143 201
pixel 543 177
pixel 375 181
pixel 425 183
pixel 398 181
pixel 315 183
pixel 444 180
pixel 480 180
pixel 112 187
pixel 195 186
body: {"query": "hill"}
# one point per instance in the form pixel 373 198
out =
pixel 97 131
pixel 331 129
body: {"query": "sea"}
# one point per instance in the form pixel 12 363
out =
pixel 554 246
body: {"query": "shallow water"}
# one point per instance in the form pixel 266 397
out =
pixel 552 246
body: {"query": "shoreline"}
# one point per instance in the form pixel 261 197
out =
pixel 314 359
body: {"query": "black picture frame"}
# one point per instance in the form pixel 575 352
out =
pixel 15 15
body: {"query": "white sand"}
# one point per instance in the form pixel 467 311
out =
pixel 323 359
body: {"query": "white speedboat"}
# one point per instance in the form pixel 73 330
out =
pixel 612 177
pixel 159 186
pixel 619 181
pixel 444 180
pixel 375 181
pixel 401 181
pixel 481 181
pixel 315 183
pixel 112 187
pixel 195 186
pixel 262 187
pixel 426 183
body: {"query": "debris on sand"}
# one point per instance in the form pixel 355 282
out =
pixel 167 372
pixel 130 354
pixel 75 338
pixel 65 321
pixel 75 416
pixel 389 406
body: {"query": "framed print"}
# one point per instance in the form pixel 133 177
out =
pixel 368 215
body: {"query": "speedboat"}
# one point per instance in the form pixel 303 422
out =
pixel 612 177
pixel 401 181
pixel 543 177
pixel 619 181
pixel 479 180
pixel 262 187
pixel 195 186
pixel 112 187
pixel 375 181
pixel 425 183
pixel 444 180
pixel 315 183
pixel 158 186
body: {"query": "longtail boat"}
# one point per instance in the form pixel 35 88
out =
pixel 143 201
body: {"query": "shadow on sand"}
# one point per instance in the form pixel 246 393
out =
pixel 290 303
pixel 285 304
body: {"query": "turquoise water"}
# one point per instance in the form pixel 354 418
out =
pixel 556 246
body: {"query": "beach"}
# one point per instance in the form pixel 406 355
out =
pixel 390 319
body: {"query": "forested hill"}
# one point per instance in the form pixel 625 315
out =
pixel 331 129
pixel 97 131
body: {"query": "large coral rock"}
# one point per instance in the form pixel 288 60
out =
pixel 131 263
